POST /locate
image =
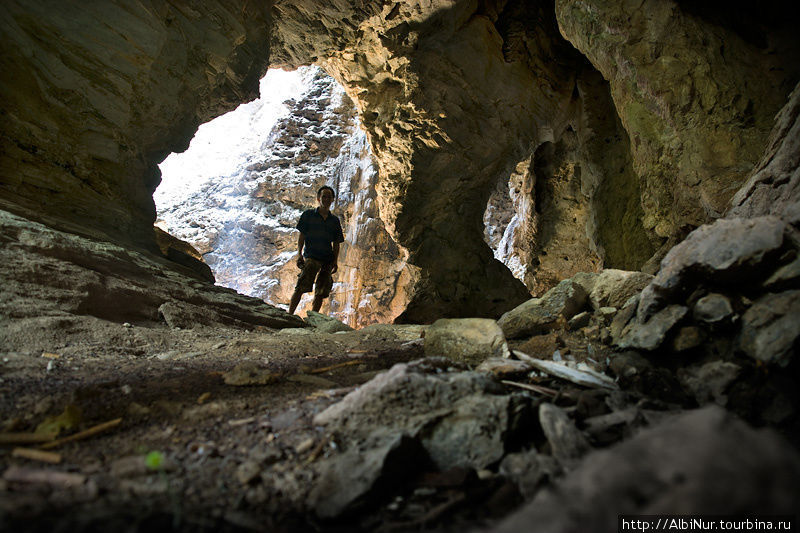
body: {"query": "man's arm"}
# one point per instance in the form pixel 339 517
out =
pixel 301 241
pixel 335 265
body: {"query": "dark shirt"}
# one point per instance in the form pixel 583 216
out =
pixel 319 234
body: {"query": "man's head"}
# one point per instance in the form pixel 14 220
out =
pixel 325 196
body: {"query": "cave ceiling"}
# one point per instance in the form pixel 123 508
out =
pixel 655 112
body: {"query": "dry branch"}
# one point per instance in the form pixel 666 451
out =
pixel 37 455
pixel 25 438
pixel 535 388
pixel 83 434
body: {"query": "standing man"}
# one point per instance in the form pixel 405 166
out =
pixel 320 235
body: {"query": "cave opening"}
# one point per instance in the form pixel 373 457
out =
pixel 236 193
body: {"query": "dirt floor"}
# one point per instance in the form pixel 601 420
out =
pixel 169 388
pixel 211 429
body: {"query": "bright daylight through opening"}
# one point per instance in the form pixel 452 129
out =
pixel 237 192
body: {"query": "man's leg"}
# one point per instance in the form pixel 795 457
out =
pixel 305 282
pixel 295 300
pixel 322 286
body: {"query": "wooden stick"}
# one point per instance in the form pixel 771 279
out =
pixel 535 388
pixel 25 438
pixel 318 450
pixel 332 367
pixel 37 455
pixel 83 434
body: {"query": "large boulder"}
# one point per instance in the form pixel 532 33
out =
pixel 612 288
pixel 458 419
pixel 468 340
pixel 539 315
pixel 704 462
pixel 729 251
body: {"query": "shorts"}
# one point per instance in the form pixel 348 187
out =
pixel 317 275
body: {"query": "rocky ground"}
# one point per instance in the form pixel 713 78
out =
pixel 186 406
pixel 231 416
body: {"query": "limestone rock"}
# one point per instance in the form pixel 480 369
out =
pixel 541 314
pixel 325 324
pixel 649 335
pixel 581 320
pixel 464 414
pixel 729 251
pixel 771 327
pixel 88 276
pixel 187 316
pixel 352 477
pixel 392 426
pixel 784 276
pixel 612 288
pixel 606 315
pixel 656 472
pixel 774 184
pixel 183 253
pixel 529 470
pixel 692 134
pixel 566 442
pixel 713 308
pixel 504 368
pixel 707 383
pixel 687 338
pixel 469 340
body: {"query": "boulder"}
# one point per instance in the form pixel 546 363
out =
pixel 612 288
pixel 729 251
pixel 702 462
pixel 469 340
pixel 771 328
pixel 651 334
pixel 538 315
pixel 713 308
pixel 459 419
pixel 325 324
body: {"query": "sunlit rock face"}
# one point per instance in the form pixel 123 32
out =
pixel 453 96
pixel 255 170
pixel 696 86
pixel 96 94
pixel 573 206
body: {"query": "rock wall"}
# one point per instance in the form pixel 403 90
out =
pixel 96 94
pixel 696 89
pixel 453 97
pixel 774 185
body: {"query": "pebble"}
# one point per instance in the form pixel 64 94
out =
pixel 305 445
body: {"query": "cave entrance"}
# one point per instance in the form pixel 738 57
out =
pixel 236 193
pixel 508 222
